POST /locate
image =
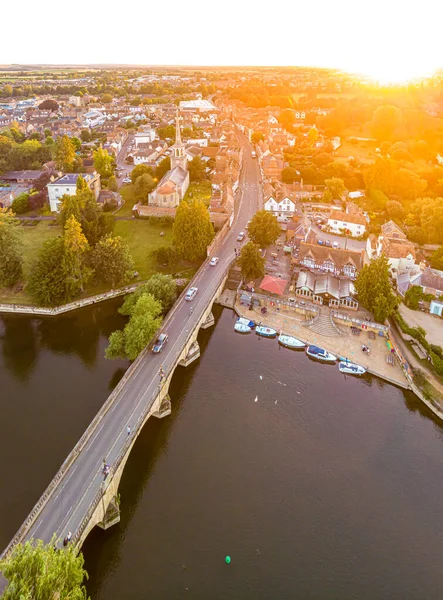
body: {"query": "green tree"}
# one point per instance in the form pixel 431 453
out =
pixel 103 163
pixel 417 235
pixel 106 98
pixel 192 230
pixel 163 167
pixel 39 571
pixel 336 186
pixel 112 261
pixel 196 168
pixel 20 204
pixel 429 212
pixel 166 255
pixel 374 289
pixel 85 135
pixel 112 184
pixel 144 321
pixel 143 187
pixel 140 170
pixel 378 200
pixel 312 135
pixel 64 154
pixel 395 210
pixel 436 259
pixel 76 245
pixel 257 136
pixel 413 296
pixel 385 120
pixel 11 246
pixel 48 276
pixel 251 262
pixel 264 228
pixel 162 287
pixel 289 175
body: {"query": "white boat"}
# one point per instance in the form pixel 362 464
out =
pixel 247 322
pixel 290 342
pixel 320 354
pixel 265 331
pixel 242 328
pixel 351 368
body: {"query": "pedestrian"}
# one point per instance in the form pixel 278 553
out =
pixel 69 536
pixel 128 429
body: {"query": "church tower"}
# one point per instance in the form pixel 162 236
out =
pixel 178 157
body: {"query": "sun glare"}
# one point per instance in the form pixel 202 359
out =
pixel 389 74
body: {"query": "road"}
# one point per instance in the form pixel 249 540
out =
pixel 121 159
pixel 75 493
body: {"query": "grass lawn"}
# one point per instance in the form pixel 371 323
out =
pixel 358 151
pixel 128 195
pixel 201 191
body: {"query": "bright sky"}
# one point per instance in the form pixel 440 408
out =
pixel 388 39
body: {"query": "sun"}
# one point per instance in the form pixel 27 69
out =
pixel 396 74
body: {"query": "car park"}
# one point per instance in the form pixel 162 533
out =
pixel 191 294
pixel 241 236
pixel 159 343
pixel 214 261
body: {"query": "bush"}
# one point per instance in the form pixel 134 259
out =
pixel 20 204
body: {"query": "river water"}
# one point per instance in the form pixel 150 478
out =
pixel 325 487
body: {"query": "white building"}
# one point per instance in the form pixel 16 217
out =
pixel 144 137
pixel 67 185
pixel 93 118
pixel 277 200
pixel 352 224
pixel 198 105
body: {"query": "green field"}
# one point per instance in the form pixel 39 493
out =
pixel 199 191
pixel 128 195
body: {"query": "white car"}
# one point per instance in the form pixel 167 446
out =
pixel 191 294
pixel 127 180
pixel 241 236
pixel 214 261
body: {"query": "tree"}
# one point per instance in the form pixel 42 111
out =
pixel 140 170
pixel 264 228
pixel 374 289
pixel 48 104
pixel 76 143
pixel 112 184
pixel 48 277
pixel 197 169
pixel 289 175
pixel 64 153
pixel 385 121
pixel 163 288
pixel 42 572
pixel 70 206
pixel 143 187
pixel 429 212
pixel 417 235
pixel 163 168
pixel 11 260
pixel 144 321
pixel 395 210
pixel 436 259
pixel 76 245
pixel 20 204
pixel 112 261
pixel 106 98
pixel 336 186
pixel 413 295
pixel 378 199
pixel 192 229
pixel 85 135
pixel 251 262
pixel 257 136
pixel 103 163
pixel 312 135
pixel 166 256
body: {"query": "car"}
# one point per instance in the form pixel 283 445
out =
pixel 320 242
pixel 328 243
pixel 241 236
pixel 214 261
pixel 191 294
pixel 335 245
pixel 127 180
pixel 159 343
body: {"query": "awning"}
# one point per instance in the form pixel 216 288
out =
pixel 274 285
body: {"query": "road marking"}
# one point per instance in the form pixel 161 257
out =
pixel 65 482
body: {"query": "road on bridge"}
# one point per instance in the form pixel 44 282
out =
pixel 75 492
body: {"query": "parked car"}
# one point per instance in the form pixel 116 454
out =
pixel 241 236
pixel 191 294
pixel 214 261
pixel 335 244
pixel 328 243
pixel 127 180
pixel 320 242
pixel 160 342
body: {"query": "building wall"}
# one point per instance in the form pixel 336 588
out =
pixel 355 228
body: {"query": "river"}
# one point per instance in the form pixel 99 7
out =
pixel 325 487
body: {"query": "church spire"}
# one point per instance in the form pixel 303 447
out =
pixel 178 139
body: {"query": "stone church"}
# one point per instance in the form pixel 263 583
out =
pixel 173 185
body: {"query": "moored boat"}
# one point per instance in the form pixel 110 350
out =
pixel 289 341
pixel 265 331
pixel 351 368
pixel 320 354
pixel 245 321
pixel 242 328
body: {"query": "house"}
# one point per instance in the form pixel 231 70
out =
pixel 277 200
pixel 351 223
pixel 431 282
pixel 436 308
pixel 332 260
pixel 198 106
pixel 325 288
pixel 146 136
pixel 272 167
pixel 25 177
pixel 297 230
pixel 67 185
pixel 399 251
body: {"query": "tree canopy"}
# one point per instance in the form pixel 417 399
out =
pixel 264 228
pixel 197 169
pixel 161 287
pixel 64 154
pixel 141 170
pixel 47 282
pixel 192 229
pixel 251 262
pixel 374 289
pixel 112 261
pixel 11 261
pixel 38 571
pixel 103 163
pixel 336 186
pixel 143 187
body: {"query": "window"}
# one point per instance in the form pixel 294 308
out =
pixel 335 222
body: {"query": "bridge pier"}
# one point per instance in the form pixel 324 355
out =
pixel 193 354
pixel 112 514
pixel 164 409
pixel 210 321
